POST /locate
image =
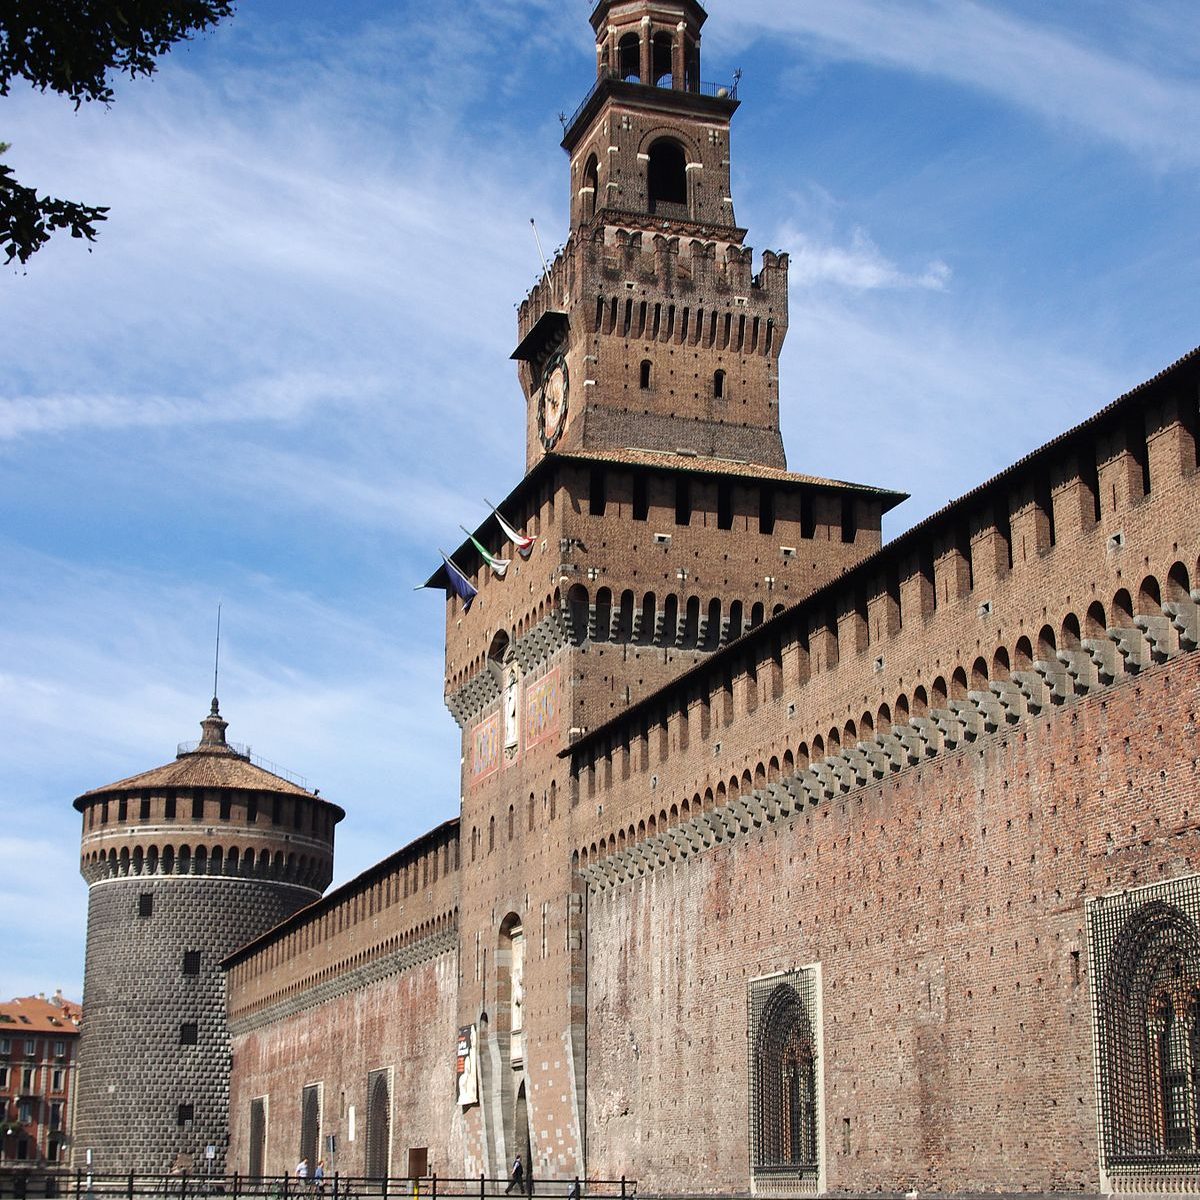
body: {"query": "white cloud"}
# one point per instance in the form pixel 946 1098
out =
pixel 860 265
pixel 1024 63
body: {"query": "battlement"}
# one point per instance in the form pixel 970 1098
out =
pixel 395 911
pixel 1070 571
pixel 605 268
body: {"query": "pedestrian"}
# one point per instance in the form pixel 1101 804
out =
pixel 573 1190
pixel 302 1171
pixel 319 1176
pixel 516 1181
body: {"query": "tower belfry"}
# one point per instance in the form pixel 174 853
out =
pixel 652 331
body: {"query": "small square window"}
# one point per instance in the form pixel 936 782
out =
pixel 187 1113
pixel 145 904
pixel 191 962
pixel 188 1034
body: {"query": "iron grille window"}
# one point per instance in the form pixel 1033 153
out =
pixel 258 1136
pixel 191 962
pixel 186 1113
pixel 145 904
pixel 379 1125
pixel 783 1074
pixel 310 1122
pixel 1144 963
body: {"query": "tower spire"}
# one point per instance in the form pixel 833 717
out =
pixel 216 708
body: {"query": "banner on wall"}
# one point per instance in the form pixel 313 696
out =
pixel 466 1070
pixel 542 709
pixel 485 748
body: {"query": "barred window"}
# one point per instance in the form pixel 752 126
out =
pixel 185 1114
pixel 379 1124
pixel 1145 962
pixel 783 1076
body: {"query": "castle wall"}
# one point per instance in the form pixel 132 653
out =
pixel 945 907
pixel 1072 567
pixel 386 1017
pixel 362 981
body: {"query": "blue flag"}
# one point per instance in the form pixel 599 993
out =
pixel 460 585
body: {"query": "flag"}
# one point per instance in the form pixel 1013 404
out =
pixel 460 585
pixel 523 544
pixel 499 565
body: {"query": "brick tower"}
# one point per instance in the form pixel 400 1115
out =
pixel 184 864
pixel 658 523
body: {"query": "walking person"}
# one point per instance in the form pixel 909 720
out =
pixel 516 1179
pixel 319 1176
pixel 302 1173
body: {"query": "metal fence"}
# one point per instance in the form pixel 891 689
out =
pixel 82 1185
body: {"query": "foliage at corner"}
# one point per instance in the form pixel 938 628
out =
pixel 73 47
pixel 26 222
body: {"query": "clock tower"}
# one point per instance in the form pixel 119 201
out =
pixel 656 522
pixel 651 330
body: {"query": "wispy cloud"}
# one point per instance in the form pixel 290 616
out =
pixel 859 265
pixel 1039 68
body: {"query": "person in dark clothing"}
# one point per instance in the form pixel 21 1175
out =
pixel 516 1180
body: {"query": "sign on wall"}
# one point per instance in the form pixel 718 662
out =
pixel 466 1071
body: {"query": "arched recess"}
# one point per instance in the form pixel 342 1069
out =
pixel 310 1124
pixel 1148 1005
pixel 379 1124
pixel 666 178
pixel 784 1119
pixel 629 58
pixel 591 187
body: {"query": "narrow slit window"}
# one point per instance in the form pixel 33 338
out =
pixel 645 374
pixel 719 385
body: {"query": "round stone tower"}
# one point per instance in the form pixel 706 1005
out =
pixel 184 864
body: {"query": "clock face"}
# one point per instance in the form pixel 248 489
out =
pixel 552 404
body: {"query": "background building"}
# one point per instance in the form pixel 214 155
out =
pixel 39 1042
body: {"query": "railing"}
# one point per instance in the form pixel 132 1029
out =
pixel 721 91
pixel 256 759
pixel 83 1185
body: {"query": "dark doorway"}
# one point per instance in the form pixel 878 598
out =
pixel 258 1137
pixel 379 1125
pixel 666 176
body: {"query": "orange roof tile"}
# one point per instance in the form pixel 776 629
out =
pixel 37 1014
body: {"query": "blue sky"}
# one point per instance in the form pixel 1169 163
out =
pixel 281 379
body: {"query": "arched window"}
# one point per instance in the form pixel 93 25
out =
pixel 663 54
pixel 1148 982
pixel 379 1125
pixel 784 1077
pixel 310 1123
pixel 666 176
pixel 591 187
pixel 629 58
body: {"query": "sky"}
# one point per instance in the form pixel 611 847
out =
pixel 280 378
